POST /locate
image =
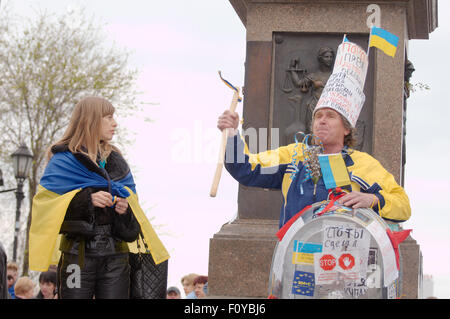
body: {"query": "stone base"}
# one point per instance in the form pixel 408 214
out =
pixel 240 256
pixel 411 269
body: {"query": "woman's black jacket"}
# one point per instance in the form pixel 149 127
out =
pixel 96 231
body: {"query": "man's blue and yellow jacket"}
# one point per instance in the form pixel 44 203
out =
pixel 273 169
pixel 64 177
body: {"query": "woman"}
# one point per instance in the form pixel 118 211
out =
pixel 47 285
pixel 201 286
pixel 317 80
pixel 92 182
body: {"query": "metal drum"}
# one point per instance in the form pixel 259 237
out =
pixel 340 254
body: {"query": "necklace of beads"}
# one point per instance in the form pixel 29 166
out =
pixel 312 146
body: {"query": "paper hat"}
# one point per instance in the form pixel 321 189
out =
pixel 344 89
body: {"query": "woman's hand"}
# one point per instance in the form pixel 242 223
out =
pixel 104 199
pixel 101 199
pixel 121 205
pixel 358 200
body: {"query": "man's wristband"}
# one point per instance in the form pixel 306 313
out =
pixel 373 201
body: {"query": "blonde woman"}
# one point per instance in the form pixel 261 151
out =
pixel 91 181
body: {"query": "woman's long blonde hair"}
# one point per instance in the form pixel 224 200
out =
pixel 84 129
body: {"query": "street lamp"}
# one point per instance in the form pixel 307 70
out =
pixel 22 159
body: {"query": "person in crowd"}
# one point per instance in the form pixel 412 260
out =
pixel 173 293
pixel 200 286
pixel 24 288
pixel 47 285
pixel 188 285
pixel 3 274
pixel 12 273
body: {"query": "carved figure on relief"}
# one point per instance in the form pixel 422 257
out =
pixel 310 87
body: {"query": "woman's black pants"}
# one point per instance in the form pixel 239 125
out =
pixel 106 277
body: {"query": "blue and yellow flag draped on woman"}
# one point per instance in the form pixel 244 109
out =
pixel 64 177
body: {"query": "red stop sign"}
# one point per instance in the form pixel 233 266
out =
pixel 327 262
pixel 346 261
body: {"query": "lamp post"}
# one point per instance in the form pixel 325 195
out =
pixel 22 159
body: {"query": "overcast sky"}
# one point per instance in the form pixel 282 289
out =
pixel 178 47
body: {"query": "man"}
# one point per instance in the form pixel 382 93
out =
pixel 371 185
pixel 173 293
pixel 12 272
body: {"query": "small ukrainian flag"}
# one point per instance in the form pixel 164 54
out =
pixel 383 40
pixel 334 170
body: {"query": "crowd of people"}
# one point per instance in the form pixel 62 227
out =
pixel 195 286
pixel 25 288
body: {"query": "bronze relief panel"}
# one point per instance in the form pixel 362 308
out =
pixel 303 63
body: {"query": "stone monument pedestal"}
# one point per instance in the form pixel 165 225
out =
pixel 240 256
pixel 411 272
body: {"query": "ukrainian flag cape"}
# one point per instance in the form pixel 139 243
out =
pixel 64 177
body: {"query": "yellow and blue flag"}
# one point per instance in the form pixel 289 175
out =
pixel 334 171
pixel 64 177
pixel 231 86
pixel 383 40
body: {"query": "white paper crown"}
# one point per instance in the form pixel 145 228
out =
pixel 344 90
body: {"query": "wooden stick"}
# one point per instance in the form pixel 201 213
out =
pixel 223 145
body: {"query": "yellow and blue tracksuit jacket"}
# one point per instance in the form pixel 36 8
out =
pixel 273 169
